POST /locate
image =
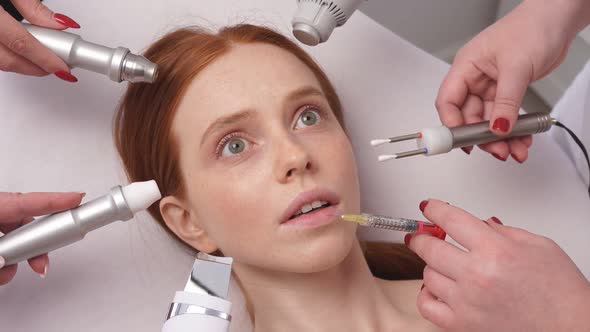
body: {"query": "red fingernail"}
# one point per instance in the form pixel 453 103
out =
pixel 64 75
pixel 422 205
pixel 497 156
pixel 515 158
pixel 501 124
pixel 496 220
pixel 467 150
pixel 407 239
pixel 421 288
pixel 65 20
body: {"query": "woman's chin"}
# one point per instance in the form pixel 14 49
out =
pixel 310 252
pixel 321 253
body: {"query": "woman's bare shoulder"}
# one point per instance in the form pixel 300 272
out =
pixel 403 295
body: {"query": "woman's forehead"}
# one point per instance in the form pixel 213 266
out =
pixel 250 76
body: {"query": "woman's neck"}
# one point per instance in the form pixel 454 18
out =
pixel 344 298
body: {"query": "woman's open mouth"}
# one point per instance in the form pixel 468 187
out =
pixel 312 208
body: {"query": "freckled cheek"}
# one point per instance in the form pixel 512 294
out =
pixel 233 208
pixel 336 162
pixel 334 152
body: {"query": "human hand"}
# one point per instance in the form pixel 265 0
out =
pixel 21 53
pixel 507 279
pixel 18 209
pixel 491 73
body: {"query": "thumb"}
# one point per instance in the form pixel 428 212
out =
pixel 512 85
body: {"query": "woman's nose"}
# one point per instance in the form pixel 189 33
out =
pixel 292 160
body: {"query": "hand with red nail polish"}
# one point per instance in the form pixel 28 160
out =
pixel 18 209
pixel 20 52
pixel 488 80
pixel 502 279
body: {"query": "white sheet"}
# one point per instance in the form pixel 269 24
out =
pixel 55 136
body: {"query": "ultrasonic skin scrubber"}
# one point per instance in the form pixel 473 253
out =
pixel 203 304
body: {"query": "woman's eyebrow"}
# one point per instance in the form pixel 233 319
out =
pixel 303 92
pixel 230 119
pixel 226 121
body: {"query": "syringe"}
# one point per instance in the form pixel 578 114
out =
pixel 396 224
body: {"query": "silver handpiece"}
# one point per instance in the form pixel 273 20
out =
pixel 479 133
pixel 60 229
pixel 118 64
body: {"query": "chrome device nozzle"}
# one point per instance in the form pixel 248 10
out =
pixel 210 275
pixel 118 64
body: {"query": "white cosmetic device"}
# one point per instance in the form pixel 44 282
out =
pixel 58 230
pixel 118 64
pixel 315 20
pixel 202 306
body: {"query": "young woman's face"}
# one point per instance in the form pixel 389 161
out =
pixel 259 145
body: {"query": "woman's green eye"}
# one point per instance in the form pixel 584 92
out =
pixel 308 118
pixel 234 146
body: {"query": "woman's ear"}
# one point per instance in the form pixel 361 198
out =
pixel 180 221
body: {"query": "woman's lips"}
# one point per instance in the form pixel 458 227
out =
pixel 307 197
pixel 315 218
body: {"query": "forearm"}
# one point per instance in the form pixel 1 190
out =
pixel 570 16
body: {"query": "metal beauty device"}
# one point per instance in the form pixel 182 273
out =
pixel 438 140
pixel 315 20
pixel 118 64
pixel 57 230
pixel 203 305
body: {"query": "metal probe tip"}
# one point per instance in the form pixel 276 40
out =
pixel 357 218
pixel 379 141
pixel 387 157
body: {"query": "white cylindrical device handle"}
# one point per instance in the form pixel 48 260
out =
pixel 198 312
